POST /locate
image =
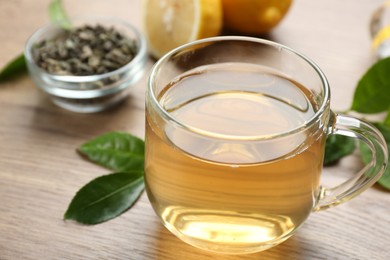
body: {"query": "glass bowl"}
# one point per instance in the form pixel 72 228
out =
pixel 92 93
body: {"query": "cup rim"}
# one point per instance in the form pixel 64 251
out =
pixel 312 120
pixel 138 58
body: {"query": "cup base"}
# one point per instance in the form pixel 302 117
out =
pixel 236 250
pixel 228 232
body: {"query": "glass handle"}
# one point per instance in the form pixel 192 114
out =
pixel 366 177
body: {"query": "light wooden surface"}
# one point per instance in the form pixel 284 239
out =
pixel 40 170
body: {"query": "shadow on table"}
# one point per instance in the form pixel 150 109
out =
pixel 125 116
pixel 170 247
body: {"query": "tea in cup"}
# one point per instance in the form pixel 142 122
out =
pixel 235 137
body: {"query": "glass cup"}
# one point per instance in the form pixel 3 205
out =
pixel 235 136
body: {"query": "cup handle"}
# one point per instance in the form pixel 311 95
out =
pixel 366 177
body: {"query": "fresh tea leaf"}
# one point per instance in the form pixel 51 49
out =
pixel 117 151
pixel 385 179
pixel 18 64
pixel 386 122
pixel 336 147
pixel 372 94
pixel 13 68
pixel 106 197
pixel 366 154
pixel 58 15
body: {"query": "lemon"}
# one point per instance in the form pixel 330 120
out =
pixel 253 16
pixel 171 23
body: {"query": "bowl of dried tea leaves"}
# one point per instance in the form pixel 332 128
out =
pixel 88 67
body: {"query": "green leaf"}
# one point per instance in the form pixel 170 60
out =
pixel 13 68
pixel 106 197
pixel 18 65
pixel 385 179
pixel 366 154
pixel 386 122
pixel 336 147
pixel 58 15
pixel 117 151
pixel 372 94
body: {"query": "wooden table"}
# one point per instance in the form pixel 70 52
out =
pixel 40 170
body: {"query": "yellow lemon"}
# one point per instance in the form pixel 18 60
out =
pixel 253 16
pixel 171 23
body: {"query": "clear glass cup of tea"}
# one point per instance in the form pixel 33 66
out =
pixel 235 136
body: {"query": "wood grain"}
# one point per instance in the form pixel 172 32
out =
pixel 40 170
